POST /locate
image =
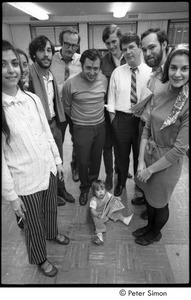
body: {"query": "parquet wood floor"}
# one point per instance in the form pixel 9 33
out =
pixel 120 260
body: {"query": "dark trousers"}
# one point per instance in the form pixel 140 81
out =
pixel 126 133
pixel 141 127
pixel 63 130
pixel 57 134
pixel 88 142
pixel 41 221
pixel 108 146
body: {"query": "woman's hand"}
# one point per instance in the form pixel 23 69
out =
pixel 60 170
pixel 144 175
pixel 141 166
pixel 18 208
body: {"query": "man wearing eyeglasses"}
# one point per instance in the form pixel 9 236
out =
pixel 66 63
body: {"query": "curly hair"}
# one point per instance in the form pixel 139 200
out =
pixel 39 43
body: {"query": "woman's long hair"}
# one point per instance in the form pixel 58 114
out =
pixel 6 45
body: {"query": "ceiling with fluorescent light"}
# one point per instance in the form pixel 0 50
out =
pixel 97 8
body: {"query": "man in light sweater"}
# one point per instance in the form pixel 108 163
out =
pixel 84 96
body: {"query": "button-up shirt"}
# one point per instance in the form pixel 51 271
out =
pixel 120 87
pixel 58 68
pixel 32 153
pixel 50 93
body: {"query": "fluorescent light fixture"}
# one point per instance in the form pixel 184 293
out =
pixel 120 9
pixel 31 9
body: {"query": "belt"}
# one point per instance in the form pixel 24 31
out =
pixel 124 113
pixel 51 121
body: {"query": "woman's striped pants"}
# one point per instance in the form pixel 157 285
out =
pixel 41 221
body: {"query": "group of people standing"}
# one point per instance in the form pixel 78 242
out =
pixel 100 99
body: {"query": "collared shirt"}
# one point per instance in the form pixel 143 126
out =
pixel 50 93
pixel 58 68
pixel 117 61
pixel 120 87
pixel 32 153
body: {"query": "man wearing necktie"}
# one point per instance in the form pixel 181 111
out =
pixel 112 59
pixel 127 85
pixel 154 44
pixel 65 64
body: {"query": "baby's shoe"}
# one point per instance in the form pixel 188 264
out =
pixel 98 239
pixel 127 220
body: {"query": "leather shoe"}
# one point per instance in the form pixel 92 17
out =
pixel 109 182
pixel 138 201
pixel 62 239
pixel 48 269
pixel 141 231
pixel 60 201
pixel 83 198
pixel 75 174
pixel 118 190
pixel 144 215
pixel 129 175
pixel 143 241
pixel 64 194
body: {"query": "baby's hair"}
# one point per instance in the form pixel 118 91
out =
pixel 97 184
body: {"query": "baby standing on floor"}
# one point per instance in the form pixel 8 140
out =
pixel 105 206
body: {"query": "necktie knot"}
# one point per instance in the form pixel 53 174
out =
pixel 133 70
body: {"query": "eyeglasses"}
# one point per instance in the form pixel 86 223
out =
pixel 68 45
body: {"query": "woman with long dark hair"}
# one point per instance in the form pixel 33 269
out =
pixel 30 162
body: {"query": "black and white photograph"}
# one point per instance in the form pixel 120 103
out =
pixel 95 149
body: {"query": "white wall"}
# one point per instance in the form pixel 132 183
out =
pixel 83 31
pixel 6 33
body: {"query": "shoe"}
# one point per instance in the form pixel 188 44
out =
pixel 62 239
pixel 141 240
pixel 141 231
pixel 109 182
pixel 144 215
pixel 127 220
pixel 64 194
pixel 118 190
pixel 75 174
pixel 83 198
pixel 48 269
pixel 60 201
pixel 138 201
pixel 97 240
pixel 129 175
pixel 20 222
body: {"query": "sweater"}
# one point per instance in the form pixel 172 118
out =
pixel 84 100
